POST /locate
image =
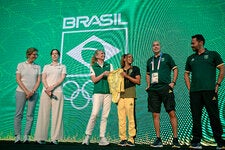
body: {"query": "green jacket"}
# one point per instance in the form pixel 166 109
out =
pixel 102 86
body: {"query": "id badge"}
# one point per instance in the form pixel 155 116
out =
pixel 155 78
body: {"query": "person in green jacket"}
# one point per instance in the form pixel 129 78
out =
pixel 99 70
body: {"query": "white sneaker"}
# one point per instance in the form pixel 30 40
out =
pixel 17 140
pixel 86 141
pixel 41 142
pixel 26 139
pixel 103 142
pixel 55 142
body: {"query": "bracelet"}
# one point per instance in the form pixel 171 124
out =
pixel 218 84
pixel 174 82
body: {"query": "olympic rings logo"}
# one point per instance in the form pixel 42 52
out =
pixel 73 95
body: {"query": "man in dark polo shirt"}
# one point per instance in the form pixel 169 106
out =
pixel 203 88
pixel 160 90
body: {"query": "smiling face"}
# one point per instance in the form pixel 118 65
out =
pixel 128 59
pixel 31 54
pixel 100 55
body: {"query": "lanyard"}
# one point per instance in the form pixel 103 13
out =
pixel 160 57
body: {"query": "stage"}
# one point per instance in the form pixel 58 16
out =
pixel 9 145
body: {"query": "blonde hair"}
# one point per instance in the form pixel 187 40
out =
pixel 93 58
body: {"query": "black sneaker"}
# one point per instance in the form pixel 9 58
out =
pixel 157 143
pixel 195 146
pixel 129 143
pixel 176 144
pixel 26 142
pixel 123 143
pixel 18 142
pixel 221 145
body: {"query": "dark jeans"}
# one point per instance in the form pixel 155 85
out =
pixel 209 100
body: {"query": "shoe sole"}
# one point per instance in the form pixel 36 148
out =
pixel 103 144
pixel 54 143
pixel 122 144
pixel 130 145
pixel 41 143
pixel 195 147
pixel 174 146
pixel 156 145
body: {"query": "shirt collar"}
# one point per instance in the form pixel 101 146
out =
pixel 205 52
pixel 29 63
pixel 58 64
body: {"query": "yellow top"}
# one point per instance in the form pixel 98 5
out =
pixel 116 84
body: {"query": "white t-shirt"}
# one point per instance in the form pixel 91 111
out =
pixel 29 74
pixel 53 74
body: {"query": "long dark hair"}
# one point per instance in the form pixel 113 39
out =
pixel 122 63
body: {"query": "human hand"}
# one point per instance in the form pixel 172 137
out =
pixel 172 85
pixel 106 73
pixel 29 94
pixel 123 74
pixel 50 88
pixel 49 93
pixel 147 88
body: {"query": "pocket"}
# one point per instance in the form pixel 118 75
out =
pixel 215 96
pixel 169 89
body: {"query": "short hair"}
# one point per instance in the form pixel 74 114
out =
pixel 199 38
pixel 156 41
pixel 30 51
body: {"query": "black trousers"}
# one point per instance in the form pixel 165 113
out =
pixel 209 100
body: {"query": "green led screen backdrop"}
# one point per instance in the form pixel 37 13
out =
pixel 78 27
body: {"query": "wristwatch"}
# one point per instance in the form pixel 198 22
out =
pixel 174 82
pixel 218 84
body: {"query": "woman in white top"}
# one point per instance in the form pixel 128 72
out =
pixel 28 76
pixel 51 101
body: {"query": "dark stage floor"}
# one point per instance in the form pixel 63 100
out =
pixel 9 145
